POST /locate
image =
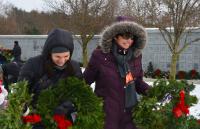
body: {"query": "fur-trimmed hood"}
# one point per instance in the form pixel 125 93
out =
pixel 123 27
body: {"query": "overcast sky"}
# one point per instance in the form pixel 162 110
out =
pixel 28 5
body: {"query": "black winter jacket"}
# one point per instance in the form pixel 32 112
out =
pixel 41 67
pixel 16 52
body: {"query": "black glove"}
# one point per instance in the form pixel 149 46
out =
pixel 147 91
pixel 38 126
pixel 68 109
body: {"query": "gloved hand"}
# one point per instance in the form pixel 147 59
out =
pixel 147 91
pixel 38 126
pixel 68 109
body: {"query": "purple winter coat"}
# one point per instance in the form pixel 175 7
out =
pixel 103 70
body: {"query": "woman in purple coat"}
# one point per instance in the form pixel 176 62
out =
pixel 117 70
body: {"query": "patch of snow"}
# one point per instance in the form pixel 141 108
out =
pixel 195 110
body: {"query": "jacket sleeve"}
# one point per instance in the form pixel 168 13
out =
pixel 26 72
pixel 91 71
pixel 141 86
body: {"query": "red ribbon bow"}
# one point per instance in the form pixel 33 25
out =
pixel 181 108
pixel 61 122
pixel 34 118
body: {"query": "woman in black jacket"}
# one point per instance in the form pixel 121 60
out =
pixel 53 64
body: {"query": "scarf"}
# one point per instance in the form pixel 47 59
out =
pixel 122 57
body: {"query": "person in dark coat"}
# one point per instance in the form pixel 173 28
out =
pixel 53 64
pixel 16 51
pixel 11 73
pixel 117 70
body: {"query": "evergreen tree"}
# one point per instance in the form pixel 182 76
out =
pixel 150 70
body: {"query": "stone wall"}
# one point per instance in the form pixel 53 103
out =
pixel 156 50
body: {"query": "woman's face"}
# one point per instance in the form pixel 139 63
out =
pixel 60 58
pixel 124 42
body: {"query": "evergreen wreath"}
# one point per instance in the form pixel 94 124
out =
pixel 89 106
pixel 154 112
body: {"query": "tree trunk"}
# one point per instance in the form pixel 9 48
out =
pixel 84 49
pixel 174 60
pixel 85 58
pixel 85 40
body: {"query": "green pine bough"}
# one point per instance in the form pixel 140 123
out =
pixel 149 115
pixel 10 118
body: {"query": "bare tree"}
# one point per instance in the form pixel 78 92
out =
pixel 8 24
pixel 136 10
pixel 176 19
pixel 2 8
pixel 182 17
pixel 85 17
pixel 129 7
